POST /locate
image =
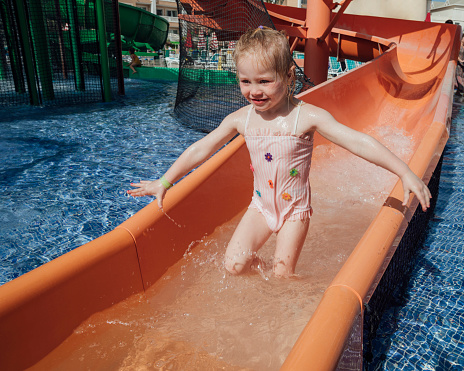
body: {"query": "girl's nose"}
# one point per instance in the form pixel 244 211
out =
pixel 256 90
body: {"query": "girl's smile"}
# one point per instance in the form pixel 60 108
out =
pixel 258 102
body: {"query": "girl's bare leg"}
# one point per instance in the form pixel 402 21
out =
pixel 249 236
pixel 290 240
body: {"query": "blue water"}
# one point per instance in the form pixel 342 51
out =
pixel 426 331
pixel 64 172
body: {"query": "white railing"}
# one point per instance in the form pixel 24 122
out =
pixel 171 19
pixel 173 36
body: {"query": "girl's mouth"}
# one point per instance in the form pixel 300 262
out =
pixel 259 102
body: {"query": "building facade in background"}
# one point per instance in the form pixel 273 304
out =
pixel 413 10
pixel 442 10
pixel 294 3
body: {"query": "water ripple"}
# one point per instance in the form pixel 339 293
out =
pixel 64 172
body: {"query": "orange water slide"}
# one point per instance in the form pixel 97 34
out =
pixel 409 74
pixel 414 78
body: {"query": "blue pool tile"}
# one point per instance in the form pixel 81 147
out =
pixel 426 332
pixel 64 171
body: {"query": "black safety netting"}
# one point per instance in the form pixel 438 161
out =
pixel 50 51
pixel 208 90
pixel 389 286
pixel 395 279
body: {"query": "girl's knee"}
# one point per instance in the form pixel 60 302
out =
pixel 283 273
pixel 237 263
pixel 283 269
pixel 233 267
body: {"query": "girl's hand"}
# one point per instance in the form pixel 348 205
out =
pixel 412 183
pixel 149 188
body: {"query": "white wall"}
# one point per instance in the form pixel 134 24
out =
pixel 403 9
pixel 453 12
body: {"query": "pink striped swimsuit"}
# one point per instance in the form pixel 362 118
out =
pixel 280 163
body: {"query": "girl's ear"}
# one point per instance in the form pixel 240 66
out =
pixel 291 72
pixel 291 83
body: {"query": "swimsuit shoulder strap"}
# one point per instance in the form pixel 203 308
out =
pixel 248 118
pixel 296 119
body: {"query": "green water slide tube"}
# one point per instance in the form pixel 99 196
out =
pixel 141 27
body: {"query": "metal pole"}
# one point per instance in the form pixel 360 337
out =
pixel 40 45
pixel 3 64
pixel 75 45
pixel 335 19
pixel 13 49
pixel 59 29
pixel 118 47
pixel 28 59
pixel 316 61
pixel 104 60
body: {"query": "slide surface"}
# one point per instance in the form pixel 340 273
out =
pixel 140 26
pixel 404 90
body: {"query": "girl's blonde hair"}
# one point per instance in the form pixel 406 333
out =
pixel 272 49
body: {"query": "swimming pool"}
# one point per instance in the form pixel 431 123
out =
pixel 425 329
pixel 64 172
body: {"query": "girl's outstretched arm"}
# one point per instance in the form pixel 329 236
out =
pixel 370 149
pixel 193 156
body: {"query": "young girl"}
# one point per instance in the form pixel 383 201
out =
pixel 278 131
pixel 135 60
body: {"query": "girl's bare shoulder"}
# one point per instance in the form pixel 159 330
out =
pixel 311 116
pixel 237 119
pixel 311 109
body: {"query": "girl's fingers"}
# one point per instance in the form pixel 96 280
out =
pixel 423 202
pixel 140 184
pixel 135 192
pixel 140 191
pixel 148 188
pixel 424 197
pixel 428 196
pixel 405 198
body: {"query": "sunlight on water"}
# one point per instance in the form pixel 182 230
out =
pixel 64 171
pixel 198 317
pixel 347 178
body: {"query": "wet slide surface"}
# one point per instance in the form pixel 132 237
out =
pixel 199 317
pixel 141 26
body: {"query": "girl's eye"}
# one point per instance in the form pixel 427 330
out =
pixel 245 82
pixel 264 82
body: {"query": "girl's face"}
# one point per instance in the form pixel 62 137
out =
pixel 261 86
